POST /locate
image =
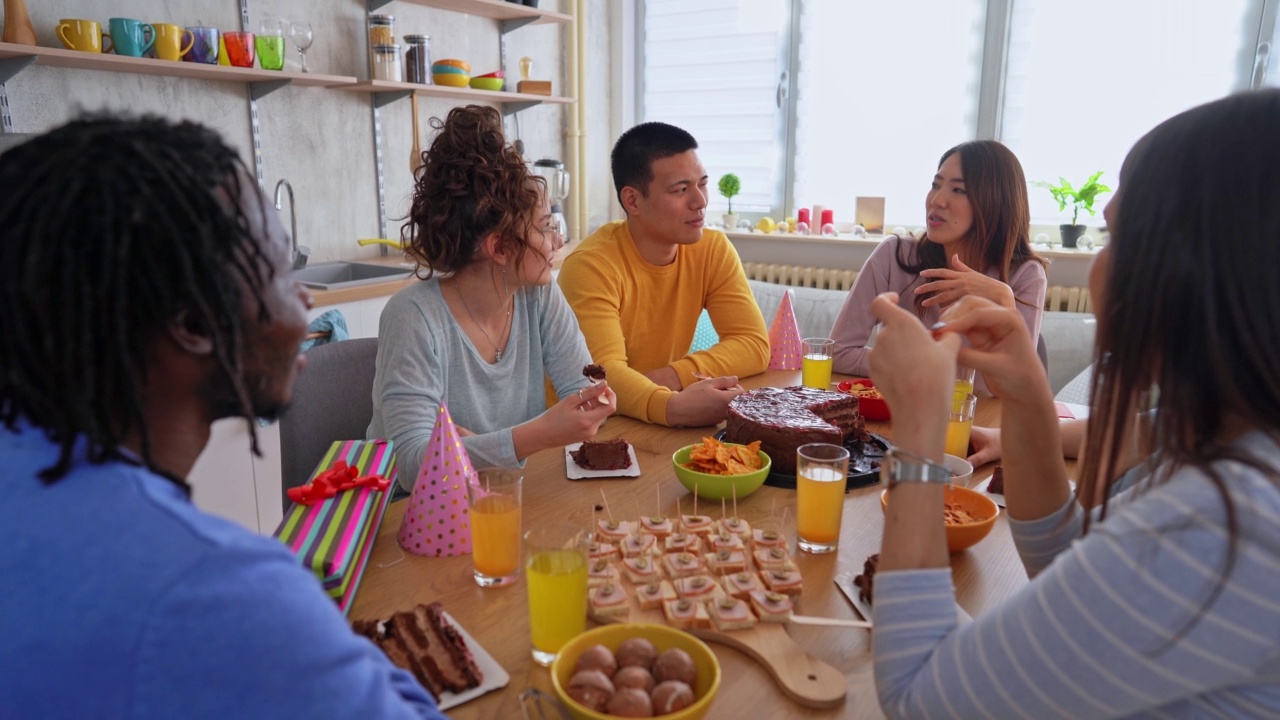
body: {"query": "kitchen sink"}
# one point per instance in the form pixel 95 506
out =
pixel 334 275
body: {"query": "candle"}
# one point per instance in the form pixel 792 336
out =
pixel 828 217
pixel 802 216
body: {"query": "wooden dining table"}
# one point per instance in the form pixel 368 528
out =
pixel 498 617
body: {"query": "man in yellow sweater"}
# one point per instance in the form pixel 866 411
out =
pixel 639 285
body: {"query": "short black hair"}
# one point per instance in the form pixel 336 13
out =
pixel 637 149
pixel 111 230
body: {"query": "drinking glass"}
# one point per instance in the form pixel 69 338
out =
pixel 815 368
pixel 269 43
pixel 822 469
pixel 493 499
pixel 556 573
pixel 301 35
pixel 960 423
pixel 964 380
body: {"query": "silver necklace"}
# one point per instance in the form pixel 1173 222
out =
pixel 497 351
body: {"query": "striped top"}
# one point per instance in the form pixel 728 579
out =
pixel 1119 623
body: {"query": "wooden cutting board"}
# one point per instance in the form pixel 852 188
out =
pixel 804 679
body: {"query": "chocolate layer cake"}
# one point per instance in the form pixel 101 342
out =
pixel 997 481
pixel 426 644
pixel 783 419
pixel 603 455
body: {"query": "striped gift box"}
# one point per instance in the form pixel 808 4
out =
pixel 335 537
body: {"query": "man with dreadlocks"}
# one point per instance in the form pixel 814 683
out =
pixel 147 295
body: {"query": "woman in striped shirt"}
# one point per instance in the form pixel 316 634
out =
pixel 1163 601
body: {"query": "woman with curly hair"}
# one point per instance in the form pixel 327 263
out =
pixel 485 325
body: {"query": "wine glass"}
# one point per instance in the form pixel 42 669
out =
pixel 301 35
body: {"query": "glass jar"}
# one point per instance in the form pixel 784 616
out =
pixel 386 63
pixel 382 30
pixel 417 59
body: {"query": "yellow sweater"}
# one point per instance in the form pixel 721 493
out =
pixel 639 317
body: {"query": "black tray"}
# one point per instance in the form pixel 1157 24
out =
pixel 864 464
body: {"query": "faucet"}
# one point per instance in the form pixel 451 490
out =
pixel 300 253
pixel 381 241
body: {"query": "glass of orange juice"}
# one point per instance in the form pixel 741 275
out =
pixel 964 380
pixel 493 499
pixel 821 472
pixel 815 366
pixel 556 573
pixel 960 423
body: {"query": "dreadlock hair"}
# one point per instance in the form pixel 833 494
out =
pixel 1001 231
pixel 471 183
pixel 116 229
pixel 638 148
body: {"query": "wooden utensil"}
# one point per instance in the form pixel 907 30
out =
pixel 829 622
pixel 415 156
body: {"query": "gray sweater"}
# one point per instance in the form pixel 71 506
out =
pixel 424 358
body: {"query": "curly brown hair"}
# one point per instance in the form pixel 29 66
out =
pixel 471 183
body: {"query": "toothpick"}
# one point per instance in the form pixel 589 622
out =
pixel 658 490
pixel 735 500
pixel 721 509
pixel 680 513
pixel 695 499
pixel 606 504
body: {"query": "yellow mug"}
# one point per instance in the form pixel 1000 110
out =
pixel 83 35
pixel 172 41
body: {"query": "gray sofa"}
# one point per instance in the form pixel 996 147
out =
pixel 1068 336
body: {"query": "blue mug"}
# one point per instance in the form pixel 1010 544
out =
pixel 131 37
pixel 204 48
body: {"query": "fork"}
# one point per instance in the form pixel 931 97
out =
pixel 537 705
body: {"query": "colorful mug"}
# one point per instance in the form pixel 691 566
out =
pixel 172 41
pixel 83 35
pixel 240 48
pixel 204 46
pixel 131 37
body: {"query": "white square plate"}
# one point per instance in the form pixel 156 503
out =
pixel 844 581
pixel 576 473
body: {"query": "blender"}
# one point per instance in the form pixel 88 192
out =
pixel 557 190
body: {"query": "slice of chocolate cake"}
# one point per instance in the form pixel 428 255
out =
pixel 866 581
pixel 603 455
pixel 997 481
pixel 425 643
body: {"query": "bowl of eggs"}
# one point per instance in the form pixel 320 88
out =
pixel 636 670
pixel 969 516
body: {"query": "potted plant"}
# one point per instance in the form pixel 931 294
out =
pixel 729 186
pixel 1080 198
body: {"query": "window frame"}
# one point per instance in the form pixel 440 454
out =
pixel 1253 67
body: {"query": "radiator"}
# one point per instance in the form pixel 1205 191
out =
pixel 1057 298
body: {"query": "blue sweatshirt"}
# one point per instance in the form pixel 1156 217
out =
pixel 121 599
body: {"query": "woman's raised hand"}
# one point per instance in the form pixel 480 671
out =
pixel 915 373
pixel 958 280
pixel 999 346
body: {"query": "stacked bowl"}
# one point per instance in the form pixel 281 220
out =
pixel 453 73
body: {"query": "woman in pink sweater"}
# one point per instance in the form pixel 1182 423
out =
pixel 976 244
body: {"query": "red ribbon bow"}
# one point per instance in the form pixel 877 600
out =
pixel 336 479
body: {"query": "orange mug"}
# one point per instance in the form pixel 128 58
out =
pixel 83 35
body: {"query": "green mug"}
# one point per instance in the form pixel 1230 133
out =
pixel 131 37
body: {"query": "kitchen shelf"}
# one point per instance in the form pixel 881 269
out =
pixel 378 87
pixel 58 57
pixel 496 9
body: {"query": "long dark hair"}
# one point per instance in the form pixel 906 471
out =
pixel 1189 308
pixel 1000 235
pixel 471 183
pixel 112 230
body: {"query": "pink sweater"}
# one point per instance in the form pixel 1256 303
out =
pixel 881 273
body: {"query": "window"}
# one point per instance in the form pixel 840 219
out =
pixel 712 67
pixel 820 101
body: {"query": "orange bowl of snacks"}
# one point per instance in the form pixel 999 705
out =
pixel 669 655
pixel 721 471
pixel 970 515
pixel 870 402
